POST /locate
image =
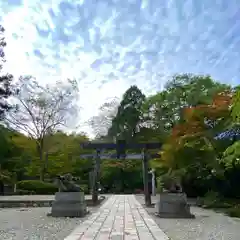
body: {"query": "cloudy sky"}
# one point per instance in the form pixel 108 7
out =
pixel 109 45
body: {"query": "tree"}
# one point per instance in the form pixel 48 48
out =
pixel 102 122
pixel 5 79
pixel 128 119
pixel 64 154
pixel 121 175
pixel 165 109
pixel 16 150
pixel 236 106
pixel 192 145
pixel 40 111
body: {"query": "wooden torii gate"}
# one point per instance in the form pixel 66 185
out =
pixel 120 148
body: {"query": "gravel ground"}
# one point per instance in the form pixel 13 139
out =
pixel 34 224
pixel 208 225
pixel 32 198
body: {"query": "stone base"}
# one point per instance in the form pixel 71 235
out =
pixel 69 204
pixel 173 205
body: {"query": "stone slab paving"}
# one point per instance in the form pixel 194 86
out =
pixel 121 217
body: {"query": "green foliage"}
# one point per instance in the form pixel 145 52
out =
pixel 234 211
pixel 5 80
pixel 214 200
pixel 236 106
pixel 41 111
pixel 185 117
pixel 5 176
pixel 211 199
pixel 24 192
pixel 165 109
pixel 121 175
pixel 39 187
pixel 231 156
pixel 85 188
pixel 126 123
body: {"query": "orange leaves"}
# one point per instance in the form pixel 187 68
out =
pixel 219 107
pixel 222 100
pixel 195 118
pixel 190 127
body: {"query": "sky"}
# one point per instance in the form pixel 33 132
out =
pixel 109 45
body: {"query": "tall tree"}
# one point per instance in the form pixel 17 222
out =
pixel 236 106
pixel 102 122
pixel 165 109
pixel 192 143
pixel 128 119
pixel 5 79
pixel 43 110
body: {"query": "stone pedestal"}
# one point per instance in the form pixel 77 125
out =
pixel 69 204
pixel 173 205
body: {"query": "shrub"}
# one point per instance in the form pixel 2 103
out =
pixel 234 211
pixel 39 187
pixel 210 199
pixel 24 192
pixel 214 200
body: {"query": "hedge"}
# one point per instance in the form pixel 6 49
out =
pixel 38 187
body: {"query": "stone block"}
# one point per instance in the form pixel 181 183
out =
pixel 69 204
pixel 173 205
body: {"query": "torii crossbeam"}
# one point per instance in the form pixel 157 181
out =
pixel 121 147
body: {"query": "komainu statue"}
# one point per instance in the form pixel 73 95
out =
pixel 66 183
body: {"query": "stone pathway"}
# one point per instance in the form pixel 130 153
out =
pixel 121 217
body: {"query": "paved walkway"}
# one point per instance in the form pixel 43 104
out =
pixel 121 217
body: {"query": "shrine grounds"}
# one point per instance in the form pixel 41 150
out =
pixel 34 224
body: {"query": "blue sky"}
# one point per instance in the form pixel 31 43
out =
pixel 109 45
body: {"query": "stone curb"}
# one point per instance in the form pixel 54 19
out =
pixel 36 203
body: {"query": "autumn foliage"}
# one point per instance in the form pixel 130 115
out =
pixel 193 135
pixel 199 119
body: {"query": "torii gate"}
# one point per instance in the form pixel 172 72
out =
pixel 121 147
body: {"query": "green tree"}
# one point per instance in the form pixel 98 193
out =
pixel 5 79
pixel 16 152
pixel 165 109
pixel 41 111
pixel 236 106
pixel 191 144
pixel 121 175
pixel 128 119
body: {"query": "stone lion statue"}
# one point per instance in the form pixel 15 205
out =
pixel 66 183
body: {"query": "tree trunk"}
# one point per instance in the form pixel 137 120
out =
pixel 42 162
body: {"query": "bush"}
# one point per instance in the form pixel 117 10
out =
pixel 210 199
pixel 234 211
pixel 24 192
pixel 214 200
pixel 39 187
